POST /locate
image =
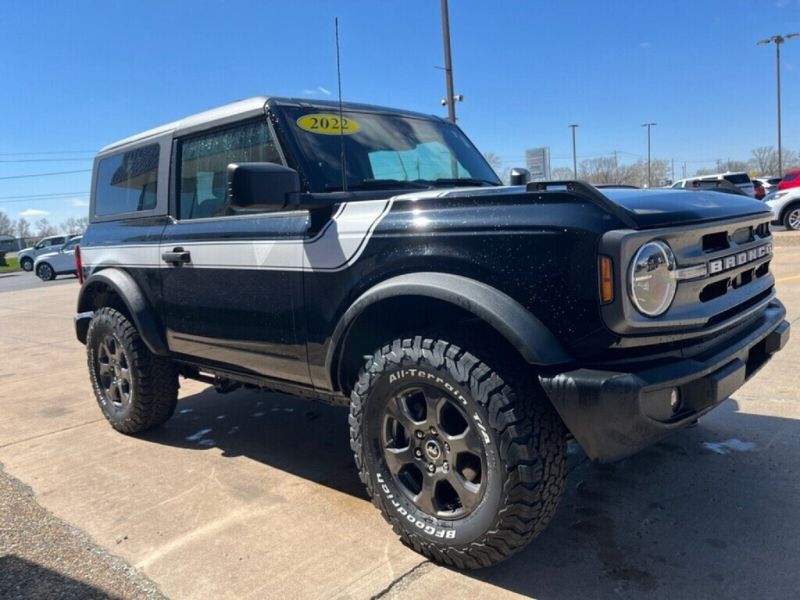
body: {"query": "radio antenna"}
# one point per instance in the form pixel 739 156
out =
pixel 341 115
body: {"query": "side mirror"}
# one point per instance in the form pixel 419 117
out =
pixel 262 186
pixel 519 176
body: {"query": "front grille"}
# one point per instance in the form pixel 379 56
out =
pixel 736 255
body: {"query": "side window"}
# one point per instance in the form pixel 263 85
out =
pixel 127 182
pixel 203 184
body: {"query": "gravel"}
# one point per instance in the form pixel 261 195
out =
pixel 41 556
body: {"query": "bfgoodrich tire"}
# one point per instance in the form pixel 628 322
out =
pixel 466 465
pixel 136 390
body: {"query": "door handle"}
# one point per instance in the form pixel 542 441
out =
pixel 177 256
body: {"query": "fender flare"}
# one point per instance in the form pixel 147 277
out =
pixel 142 314
pixel 522 329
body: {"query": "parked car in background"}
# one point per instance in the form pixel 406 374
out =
pixel 713 185
pixel 740 179
pixel 27 256
pixel 62 262
pixel 759 189
pixel 791 179
pixel 770 184
pixel 785 207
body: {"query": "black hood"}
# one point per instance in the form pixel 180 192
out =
pixel 664 208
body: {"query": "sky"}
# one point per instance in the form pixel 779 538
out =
pixel 79 75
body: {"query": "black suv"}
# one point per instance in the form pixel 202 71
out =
pixel 370 257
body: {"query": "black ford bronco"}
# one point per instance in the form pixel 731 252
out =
pixel 371 258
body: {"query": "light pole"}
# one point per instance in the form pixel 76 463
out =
pixel 778 40
pixel 450 101
pixel 648 125
pixel 574 155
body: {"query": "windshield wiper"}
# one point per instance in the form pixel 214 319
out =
pixel 376 184
pixel 463 181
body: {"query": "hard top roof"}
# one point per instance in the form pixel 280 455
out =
pixel 251 107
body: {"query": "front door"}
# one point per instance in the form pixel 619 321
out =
pixel 232 284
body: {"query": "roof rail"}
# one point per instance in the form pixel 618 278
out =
pixel 585 191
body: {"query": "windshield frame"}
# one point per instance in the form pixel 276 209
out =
pixel 296 158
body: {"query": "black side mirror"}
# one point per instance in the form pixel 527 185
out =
pixel 263 187
pixel 519 176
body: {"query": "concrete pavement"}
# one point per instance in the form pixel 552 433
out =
pixel 253 495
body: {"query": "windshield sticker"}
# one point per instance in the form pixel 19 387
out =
pixel 328 124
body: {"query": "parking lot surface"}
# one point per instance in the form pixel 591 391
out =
pixel 254 495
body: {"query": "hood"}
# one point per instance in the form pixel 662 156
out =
pixel 45 255
pixel 638 208
pixel 664 208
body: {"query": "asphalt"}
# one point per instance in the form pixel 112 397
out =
pixel 254 495
pixel 23 280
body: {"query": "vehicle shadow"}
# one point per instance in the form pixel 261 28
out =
pixel 21 578
pixel 711 512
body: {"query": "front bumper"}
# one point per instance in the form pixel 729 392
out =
pixel 615 413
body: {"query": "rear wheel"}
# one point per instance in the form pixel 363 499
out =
pixel 792 218
pixel 26 264
pixel 466 465
pixel 45 272
pixel 136 390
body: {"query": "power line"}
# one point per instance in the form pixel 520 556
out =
pixel 38 160
pixel 45 174
pixel 44 152
pixel 28 197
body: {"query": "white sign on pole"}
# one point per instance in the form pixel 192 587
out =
pixel 537 161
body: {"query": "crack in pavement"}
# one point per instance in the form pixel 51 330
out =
pixel 45 434
pixel 406 578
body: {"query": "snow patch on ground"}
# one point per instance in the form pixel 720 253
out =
pixel 728 445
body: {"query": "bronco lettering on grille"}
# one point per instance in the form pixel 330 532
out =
pixel 737 260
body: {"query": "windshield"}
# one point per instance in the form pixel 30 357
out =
pixel 382 151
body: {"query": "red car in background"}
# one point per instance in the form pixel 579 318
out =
pixel 790 180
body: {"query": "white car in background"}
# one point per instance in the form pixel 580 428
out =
pixel 48 266
pixel 739 178
pixel 785 206
pixel 27 256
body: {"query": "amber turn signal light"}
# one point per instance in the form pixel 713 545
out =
pixel 606 280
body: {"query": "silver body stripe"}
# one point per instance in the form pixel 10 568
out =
pixel 337 247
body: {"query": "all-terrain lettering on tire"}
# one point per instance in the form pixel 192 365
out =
pixel 466 465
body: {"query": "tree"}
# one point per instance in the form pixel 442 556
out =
pixel 764 159
pixel 73 226
pixel 6 224
pixel 44 229
pixel 494 161
pixel 562 173
pixel 23 228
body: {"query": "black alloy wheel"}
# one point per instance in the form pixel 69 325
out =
pixel 433 452
pixel 113 373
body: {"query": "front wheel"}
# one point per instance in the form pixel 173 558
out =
pixel 465 465
pixel 26 264
pixel 136 390
pixel 792 218
pixel 45 272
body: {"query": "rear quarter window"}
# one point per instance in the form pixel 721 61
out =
pixel 127 182
pixel 737 178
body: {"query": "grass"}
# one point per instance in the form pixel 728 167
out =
pixel 13 265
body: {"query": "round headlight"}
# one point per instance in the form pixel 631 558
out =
pixel 652 284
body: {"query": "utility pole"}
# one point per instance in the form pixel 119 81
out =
pixel 684 169
pixel 778 40
pixel 673 170
pixel 448 64
pixel 649 126
pixel 574 155
pixel 719 165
